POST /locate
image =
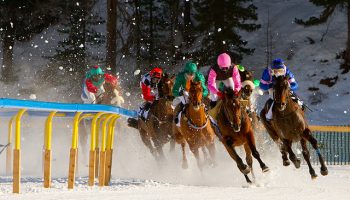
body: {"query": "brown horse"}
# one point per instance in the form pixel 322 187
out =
pixel 111 96
pixel 236 129
pixel 289 125
pixel 195 127
pixel 157 128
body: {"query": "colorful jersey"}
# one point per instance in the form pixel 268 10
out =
pixel 146 87
pixel 107 78
pixel 267 80
pixel 216 76
pixel 180 83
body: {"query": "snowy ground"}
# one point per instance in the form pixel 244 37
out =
pixel 136 175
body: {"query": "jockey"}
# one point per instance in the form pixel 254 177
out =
pixel 190 72
pixel 93 84
pixel 268 79
pixel 223 72
pixel 149 86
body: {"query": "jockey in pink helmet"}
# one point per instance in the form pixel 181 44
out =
pixel 223 72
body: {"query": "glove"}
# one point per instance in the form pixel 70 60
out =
pixel 185 94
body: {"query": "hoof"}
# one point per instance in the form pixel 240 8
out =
pixel 265 169
pixel 324 171
pixel 245 169
pixel 313 176
pixel 286 163
pixel 297 163
pixel 184 165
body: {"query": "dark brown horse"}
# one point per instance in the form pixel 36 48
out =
pixel 289 125
pixel 157 128
pixel 195 127
pixel 236 129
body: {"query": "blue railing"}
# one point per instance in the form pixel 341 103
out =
pixel 68 108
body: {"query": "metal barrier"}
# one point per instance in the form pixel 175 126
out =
pixel 100 160
pixel 334 144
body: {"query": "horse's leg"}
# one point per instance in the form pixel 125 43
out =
pixel 184 158
pixel 292 156
pixel 249 158
pixel 228 143
pixel 172 144
pixel 159 148
pixel 205 154
pixel 268 126
pixel 195 152
pixel 306 155
pixel 147 141
pixel 211 149
pixel 251 144
pixel 307 135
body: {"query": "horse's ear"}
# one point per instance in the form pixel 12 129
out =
pixel 165 75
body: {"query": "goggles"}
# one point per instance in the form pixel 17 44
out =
pixel 278 72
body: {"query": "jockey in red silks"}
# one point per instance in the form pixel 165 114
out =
pixel 223 72
pixel 149 87
pixel 93 84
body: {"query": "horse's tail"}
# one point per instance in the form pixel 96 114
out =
pixel 133 123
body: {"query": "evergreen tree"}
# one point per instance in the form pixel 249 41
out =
pixel 217 28
pixel 20 20
pixel 329 8
pixel 78 32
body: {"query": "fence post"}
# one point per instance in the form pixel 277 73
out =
pixel 109 150
pixel 73 151
pixel 17 153
pixel 47 153
pixel 92 157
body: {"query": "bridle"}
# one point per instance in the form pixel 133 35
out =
pixel 227 117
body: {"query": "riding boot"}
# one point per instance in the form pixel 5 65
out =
pixel 181 108
pixel 269 104
pixel 144 109
pixel 212 104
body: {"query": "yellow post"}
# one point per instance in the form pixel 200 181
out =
pixel 17 153
pixel 9 147
pixel 47 152
pixel 97 149
pixel 92 159
pixel 109 150
pixel 103 150
pixel 73 151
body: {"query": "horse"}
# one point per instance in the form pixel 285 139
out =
pixel 111 96
pixel 236 129
pixel 289 126
pixel 195 127
pixel 157 128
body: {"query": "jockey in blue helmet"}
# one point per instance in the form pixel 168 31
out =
pixel 278 68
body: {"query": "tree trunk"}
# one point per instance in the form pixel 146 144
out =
pixel 7 46
pixel 174 25
pixel 346 65
pixel 111 55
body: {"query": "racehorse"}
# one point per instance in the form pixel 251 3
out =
pixel 236 129
pixel 111 96
pixel 195 127
pixel 157 128
pixel 289 125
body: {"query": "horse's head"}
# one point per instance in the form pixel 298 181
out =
pixel 233 109
pixel 111 95
pixel 246 75
pixel 281 92
pixel 195 94
pixel 166 87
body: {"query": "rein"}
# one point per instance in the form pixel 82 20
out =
pixel 230 122
pixel 194 126
pixel 289 98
